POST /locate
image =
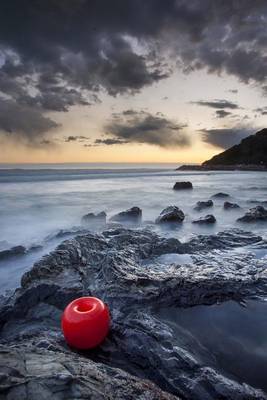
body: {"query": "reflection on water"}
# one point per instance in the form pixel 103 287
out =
pixel 228 337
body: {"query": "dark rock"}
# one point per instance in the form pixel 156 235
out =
pixel 133 215
pixel 182 185
pixel 258 213
pixel 220 195
pixel 35 362
pixel 229 206
pixel 208 219
pixel 203 204
pixel 170 214
pixel 92 218
pixel 12 252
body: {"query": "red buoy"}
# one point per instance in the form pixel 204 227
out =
pixel 85 322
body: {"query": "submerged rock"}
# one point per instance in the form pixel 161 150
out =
pixel 92 218
pixel 220 195
pixel 36 363
pixel 229 206
pixel 208 219
pixel 201 205
pixel 182 185
pixel 170 214
pixel 258 213
pixel 133 215
pixel 12 252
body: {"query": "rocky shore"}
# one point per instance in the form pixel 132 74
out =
pixel 142 358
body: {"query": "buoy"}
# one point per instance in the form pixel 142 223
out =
pixel 85 322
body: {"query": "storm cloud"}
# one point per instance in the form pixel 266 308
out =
pixel 58 54
pixel 225 137
pixel 143 127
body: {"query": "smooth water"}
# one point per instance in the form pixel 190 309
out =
pixel 35 202
pixel 228 337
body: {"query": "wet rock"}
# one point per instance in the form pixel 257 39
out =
pixel 169 215
pixel 36 363
pixel 208 219
pixel 92 218
pixel 133 215
pixel 229 206
pixel 201 205
pixel 182 185
pixel 258 213
pixel 12 252
pixel 220 195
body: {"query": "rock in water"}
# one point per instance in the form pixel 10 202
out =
pixel 133 215
pixel 12 252
pixel 203 204
pixel 208 219
pixel 229 206
pixel 170 214
pixel 92 218
pixel 220 195
pixel 258 213
pixel 182 185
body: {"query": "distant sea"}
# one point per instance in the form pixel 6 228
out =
pixel 36 201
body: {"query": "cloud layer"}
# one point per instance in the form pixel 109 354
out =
pixel 225 137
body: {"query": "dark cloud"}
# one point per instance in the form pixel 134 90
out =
pixel 79 138
pixel 234 91
pixel 21 121
pixel 142 127
pixel 261 110
pixel 110 142
pixel 57 54
pixel 225 137
pixel 222 113
pixel 222 104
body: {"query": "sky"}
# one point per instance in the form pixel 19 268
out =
pixel 130 80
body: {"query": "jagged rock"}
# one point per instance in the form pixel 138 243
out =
pixel 12 252
pixel 220 195
pixel 36 363
pixel 170 214
pixel 92 218
pixel 229 206
pixel 258 213
pixel 182 185
pixel 208 219
pixel 133 215
pixel 201 205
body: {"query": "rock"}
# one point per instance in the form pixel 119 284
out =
pixel 208 219
pixel 220 195
pixel 229 206
pixel 12 252
pixel 92 218
pixel 170 214
pixel 182 185
pixel 133 215
pixel 142 357
pixel 203 204
pixel 258 213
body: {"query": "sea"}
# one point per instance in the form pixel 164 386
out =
pixel 38 201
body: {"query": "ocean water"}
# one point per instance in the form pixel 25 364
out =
pixel 36 202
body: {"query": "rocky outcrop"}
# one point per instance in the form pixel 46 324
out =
pixel 230 206
pixel 201 205
pixel 142 357
pixel 208 219
pixel 258 213
pixel 182 185
pixel 220 195
pixel 250 151
pixel 92 218
pixel 133 215
pixel 169 215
